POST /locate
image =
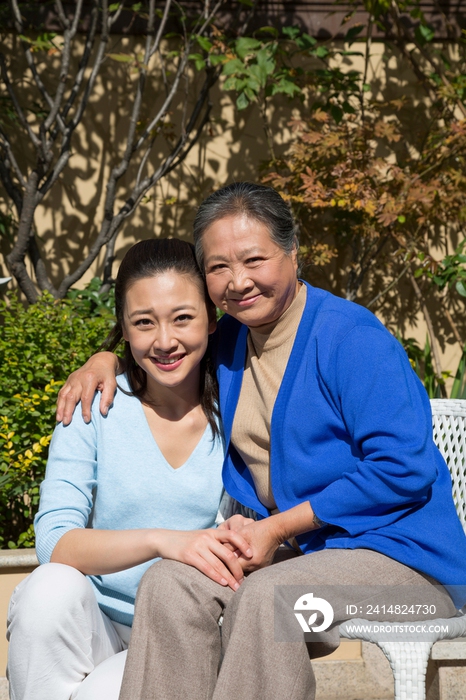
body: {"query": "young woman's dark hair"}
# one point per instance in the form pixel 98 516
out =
pixel 148 259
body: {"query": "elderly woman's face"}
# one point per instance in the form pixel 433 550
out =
pixel 248 275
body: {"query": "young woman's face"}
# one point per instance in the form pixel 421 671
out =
pixel 167 325
pixel 248 275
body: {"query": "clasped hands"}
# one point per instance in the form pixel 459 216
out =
pixel 238 546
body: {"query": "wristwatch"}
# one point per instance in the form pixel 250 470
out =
pixel 318 522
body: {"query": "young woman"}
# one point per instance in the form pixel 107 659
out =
pixel 121 491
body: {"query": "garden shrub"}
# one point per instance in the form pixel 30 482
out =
pixel 39 346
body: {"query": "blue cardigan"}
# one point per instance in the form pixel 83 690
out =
pixel 351 432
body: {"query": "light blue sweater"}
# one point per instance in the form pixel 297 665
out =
pixel 110 474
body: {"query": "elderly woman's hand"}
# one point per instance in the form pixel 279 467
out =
pixel 98 374
pixel 263 537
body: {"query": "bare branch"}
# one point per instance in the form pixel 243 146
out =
pixel 15 259
pixel 17 16
pixel 61 14
pixel 11 157
pixel 367 56
pixel 57 170
pixel 395 13
pixel 179 72
pixel 124 163
pixel 164 75
pixel 12 190
pixel 355 280
pixel 39 268
pixel 163 21
pixel 430 328
pixel 185 102
pixel 95 69
pixel 112 223
pixel 450 320
pixel 113 18
pixel 244 27
pixel 65 64
pixel 16 104
pixel 108 263
pixel 83 62
pixel 176 157
pixel 143 162
pixel 392 284
pixel 32 66
pixel 103 238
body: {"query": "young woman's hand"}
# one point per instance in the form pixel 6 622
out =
pixel 98 374
pixel 235 522
pixel 214 552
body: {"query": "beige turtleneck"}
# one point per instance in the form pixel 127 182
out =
pixel 268 351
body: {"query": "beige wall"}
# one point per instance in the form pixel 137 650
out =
pixel 8 582
pixel 231 148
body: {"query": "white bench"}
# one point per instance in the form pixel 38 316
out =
pixel 409 660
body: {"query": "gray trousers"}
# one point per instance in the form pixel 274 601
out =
pixel 178 652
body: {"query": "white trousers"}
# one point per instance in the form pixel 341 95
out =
pixel 62 646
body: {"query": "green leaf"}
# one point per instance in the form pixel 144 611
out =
pixel 259 74
pixel 347 108
pixel 458 390
pixel 246 45
pixel 461 288
pixel 291 32
pixel 204 43
pixel 268 30
pixel 427 31
pixel 233 66
pixel 401 219
pixel 121 57
pixel 250 93
pixel 321 52
pixel 424 34
pixel 308 41
pixel 198 59
pixel 353 32
pixel 230 83
pixel 215 60
pixel 113 7
pixel 265 61
pixel 242 101
pixel 287 87
pixel 337 113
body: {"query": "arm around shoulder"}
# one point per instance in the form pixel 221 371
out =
pixel 98 374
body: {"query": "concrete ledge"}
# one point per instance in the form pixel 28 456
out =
pixel 17 561
pixel 449 650
pixel 367 679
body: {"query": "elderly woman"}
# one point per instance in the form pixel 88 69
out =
pixel 328 438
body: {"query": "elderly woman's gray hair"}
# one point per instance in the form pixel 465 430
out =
pixel 256 202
